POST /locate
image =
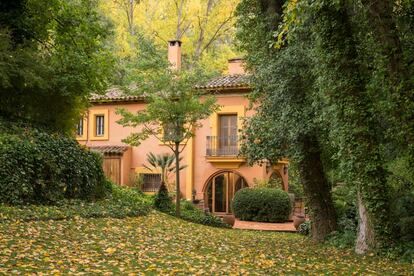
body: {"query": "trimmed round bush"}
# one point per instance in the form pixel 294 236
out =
pixel 262 204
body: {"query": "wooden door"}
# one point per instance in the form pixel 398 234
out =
pixel 112 169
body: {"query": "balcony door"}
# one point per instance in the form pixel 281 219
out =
pixel 227 142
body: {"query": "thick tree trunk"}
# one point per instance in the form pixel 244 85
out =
pixel 353 115
pixel 177 179
pixel 317 189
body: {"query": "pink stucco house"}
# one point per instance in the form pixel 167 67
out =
pixel 215 170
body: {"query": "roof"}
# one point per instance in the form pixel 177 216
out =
pixel 114 150
pixel 114 94
pixel 236 81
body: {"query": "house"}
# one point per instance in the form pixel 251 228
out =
pixel 215 170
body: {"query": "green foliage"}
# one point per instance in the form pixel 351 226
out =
pixel 53 54
pixel 407 228
pixel 164 162
pixel 295 185
pixel 188 211
pixel 262 204
pixel 275 183
pixel 194 214
pixel 344 77
pixel 162 200
pixel 39 167
pixel 305 228
pixel 120 203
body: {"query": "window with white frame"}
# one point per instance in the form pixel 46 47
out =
pixel 100 125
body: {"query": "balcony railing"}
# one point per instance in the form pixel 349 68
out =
pixel 222 146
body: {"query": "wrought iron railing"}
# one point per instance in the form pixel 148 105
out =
pixel 222 145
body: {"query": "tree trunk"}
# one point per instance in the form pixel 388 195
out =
pixel 353 120
pixel 317 189
pixel 177 179
pixel 366 235
pixel 202 26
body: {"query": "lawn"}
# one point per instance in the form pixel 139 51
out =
pixel 160 243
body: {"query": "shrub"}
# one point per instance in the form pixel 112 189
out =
pixel 407 228
pixel 191 213
pixel 304 228
pixel 121 203
pixel 268 183
pixel 262 204
pixel 40 167
pixel 162 200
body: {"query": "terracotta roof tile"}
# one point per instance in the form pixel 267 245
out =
pixel 114 94
pixel 227 82
pixel 116 150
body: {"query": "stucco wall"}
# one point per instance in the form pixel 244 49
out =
pixel 192 177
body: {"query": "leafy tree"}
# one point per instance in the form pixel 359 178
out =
pixel 345 69
pixel 174 107
pixel 286 121
pixel 205 26
pixel 52 56
pixel 164 162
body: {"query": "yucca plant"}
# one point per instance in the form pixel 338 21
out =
pixel 163 162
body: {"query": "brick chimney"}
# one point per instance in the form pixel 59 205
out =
pixel 236 66
pixel 174 54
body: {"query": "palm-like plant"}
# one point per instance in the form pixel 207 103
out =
pixel 163 162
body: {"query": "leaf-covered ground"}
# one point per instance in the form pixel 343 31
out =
pixel 159 244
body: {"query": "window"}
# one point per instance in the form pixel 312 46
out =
pixel 79 127
pixel 100 125
pixel 227 140
pixel 99 128
pixel 151 182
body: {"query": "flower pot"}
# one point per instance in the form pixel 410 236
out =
pixel 299 219
pixel 229 219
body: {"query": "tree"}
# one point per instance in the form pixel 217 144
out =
pixel 354 121
pixel 206 28
pixel 128 6
pixel 163 162
pixel 286 121
pixel 53 55
pixel 174 107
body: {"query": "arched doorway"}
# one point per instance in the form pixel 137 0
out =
pixel 220 190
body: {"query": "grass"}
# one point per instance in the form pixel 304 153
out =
pixel 159 243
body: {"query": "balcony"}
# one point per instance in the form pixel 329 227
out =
pixel 223 151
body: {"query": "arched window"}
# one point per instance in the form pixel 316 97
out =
pixel 220 191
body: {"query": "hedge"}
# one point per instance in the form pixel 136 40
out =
pixel 262 204
pixel 41 167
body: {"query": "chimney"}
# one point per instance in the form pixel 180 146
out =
pixel 174 54
pixel 236 66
